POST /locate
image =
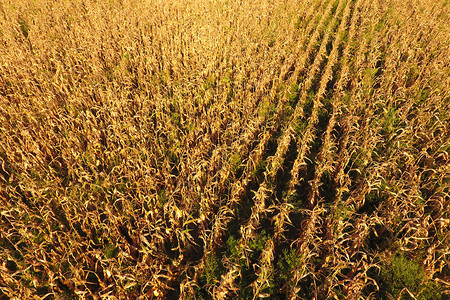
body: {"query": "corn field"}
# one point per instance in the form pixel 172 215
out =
pixel 218 149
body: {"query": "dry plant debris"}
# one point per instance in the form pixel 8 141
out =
pixel 216 149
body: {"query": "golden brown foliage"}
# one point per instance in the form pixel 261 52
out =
pixel 224 149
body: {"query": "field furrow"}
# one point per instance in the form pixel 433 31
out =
pixel 256 157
